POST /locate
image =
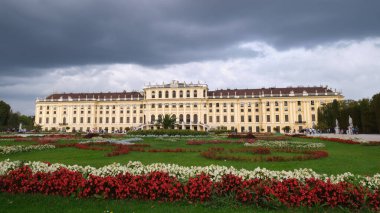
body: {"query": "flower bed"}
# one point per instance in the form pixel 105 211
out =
pixel 160 185
pixel 287 144
pixel 17 148
pixel 338 140
pixel 183 173
pixel 241 135
pixel 371 143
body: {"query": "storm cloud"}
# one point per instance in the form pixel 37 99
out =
pixel 44 43
pixel 40 34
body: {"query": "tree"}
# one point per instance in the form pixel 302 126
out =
pixel 367 117
pixel 286 129
pixel 375 105
pixel 5 111
pixel 166 121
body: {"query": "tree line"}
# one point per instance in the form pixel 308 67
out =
pixel 365 114
pixel 10 120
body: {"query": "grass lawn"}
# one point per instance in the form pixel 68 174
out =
pixel 40 203
pixel 357 159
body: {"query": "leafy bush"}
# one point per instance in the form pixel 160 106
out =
pixel 248 135
pixel 168 132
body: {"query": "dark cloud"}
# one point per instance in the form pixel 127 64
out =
pixel 41 34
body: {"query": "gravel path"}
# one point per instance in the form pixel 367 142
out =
pixel 359 137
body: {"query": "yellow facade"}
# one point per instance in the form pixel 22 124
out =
pixel 195 107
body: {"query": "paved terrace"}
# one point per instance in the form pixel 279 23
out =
pixel 359 137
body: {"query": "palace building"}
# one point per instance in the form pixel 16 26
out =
pixel 194 105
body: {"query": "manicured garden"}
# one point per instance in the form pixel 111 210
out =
pixel 194 172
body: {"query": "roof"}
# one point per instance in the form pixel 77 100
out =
pixel 221 92
pixel 268 91
pixel 101 95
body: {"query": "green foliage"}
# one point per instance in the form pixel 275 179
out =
pixel 8 119
pixel 5 111
pixel 375 105
pixel 166 121
pixel 169 132
pixel 286 128
pixel 365 114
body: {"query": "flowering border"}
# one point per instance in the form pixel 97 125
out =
pixel 158 185
pixel 18 148
pixel 183 173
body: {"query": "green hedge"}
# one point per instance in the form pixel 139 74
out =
pixel 170 132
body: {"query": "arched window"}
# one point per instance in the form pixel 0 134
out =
pixel 195 118
pixel 174 94
pixel 195 93
pixel 188 93
pixel 153 94
pixel 159 94
pixel 300 118
pixel 152 119
pixel 166 94
pixel 159 117
pixel 188 118
pixel 181 94
pixel 181 118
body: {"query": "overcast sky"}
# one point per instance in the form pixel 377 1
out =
pixel 51 46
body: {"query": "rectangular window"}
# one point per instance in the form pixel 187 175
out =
pixel 54 120
pixel 74 120
pixel 134 120
pixel 277 118
pixel 107 120
pixel 100 120
pixel 217 119
pixel 81 120
pixel 88 120
pixel 286 118
pixel 210 119
pixel 269 129
pixel 257 118
pixel 313 117
pixel 153 105
pixel 312 102
pixel 242 129
pixel 232 118
pixel 242 118
pixel 225 118
pixel 113 120
pixel 128 120
pixel 121 120
pixel 299 103
pixel 268 118
pixel 249 118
